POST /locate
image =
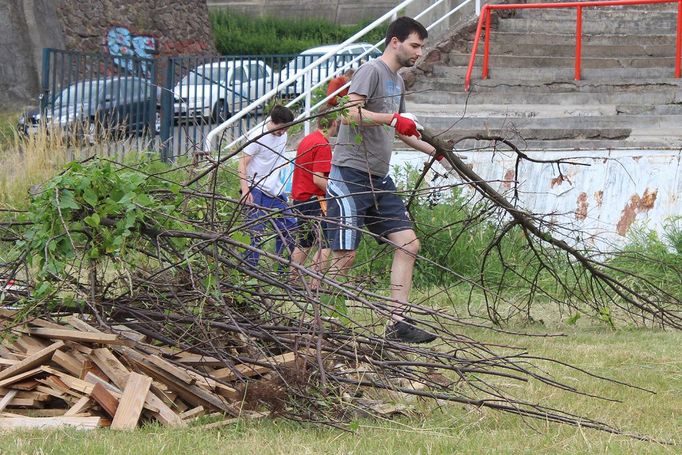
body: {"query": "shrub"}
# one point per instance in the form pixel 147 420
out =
pixel 243 35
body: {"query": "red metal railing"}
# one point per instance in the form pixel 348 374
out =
pixel 488 9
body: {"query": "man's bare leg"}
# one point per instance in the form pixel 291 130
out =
pixel 407 248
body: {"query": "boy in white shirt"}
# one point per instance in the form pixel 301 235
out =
pixel 261 168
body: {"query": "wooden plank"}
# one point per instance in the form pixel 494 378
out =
pixel 7 362
pixel 193 413
pixel 118 374
pixel 215 386
pixel 89 367
pixel 180 373
pixel 29 384
pixel 39 412
pixel 36 395
pixel 20 377
pixel 105 399
pixel 46 389
pixel 78 349
pixel 83 423
pixel 192 394
pixel 223 423
pixel 132 402
pixel 7 399
pixel 24 402
pixel 68 362
pixel 94 379
pixel 30 362
pixel 110 366
pixel 228 374
pixel 81 325
pixel 30 345
pixel 77 335
pixel 7 354
pixel 129 333
pixel 80 406
pixel 72 382
pixel 198 359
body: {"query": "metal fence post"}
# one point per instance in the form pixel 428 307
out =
pixel 45 89
pixel 167 111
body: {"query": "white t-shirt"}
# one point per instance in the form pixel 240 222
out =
pixel 268 165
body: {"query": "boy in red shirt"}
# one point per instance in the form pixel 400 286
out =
pixel 311 169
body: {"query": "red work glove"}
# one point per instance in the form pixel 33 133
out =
pixel 406 124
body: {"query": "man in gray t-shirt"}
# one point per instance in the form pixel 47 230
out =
pixel 360 193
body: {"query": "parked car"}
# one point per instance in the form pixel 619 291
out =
pixel 108 106
pixel 216 90
pixel 342 57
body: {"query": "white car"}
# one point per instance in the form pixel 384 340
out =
pixel 216 90
pixel 342 57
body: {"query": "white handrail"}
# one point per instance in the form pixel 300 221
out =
pixel 392 14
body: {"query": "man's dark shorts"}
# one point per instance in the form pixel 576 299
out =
pixel 357 200
pixel 310 226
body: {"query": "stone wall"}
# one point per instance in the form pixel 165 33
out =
pixel 118 27
pixel 166 27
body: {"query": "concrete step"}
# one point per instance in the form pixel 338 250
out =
pixel 540 110
pixel 608 124
pixel 529 61
pixel 575 144
pixel 568 50
pixel 548 73
pixel 510 82
pixel 600 39
pixel 607 13
pixel 535 134
pixel 560 99
pixel 633 27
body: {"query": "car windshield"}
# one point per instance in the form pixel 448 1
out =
pixel 82 93
pixel 206 76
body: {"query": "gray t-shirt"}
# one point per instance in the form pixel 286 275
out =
pixel 384 90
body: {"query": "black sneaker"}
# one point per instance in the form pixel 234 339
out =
pixel 407 332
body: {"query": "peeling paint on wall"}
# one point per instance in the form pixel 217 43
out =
pixel 581 211
pixel 636 205
pixel 599 198
pixel 509 178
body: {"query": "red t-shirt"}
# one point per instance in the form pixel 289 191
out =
pixel 333 86
pixel 314 154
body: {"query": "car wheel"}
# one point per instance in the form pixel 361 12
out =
pixel 220 112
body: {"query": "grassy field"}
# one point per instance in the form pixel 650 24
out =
pixel 643 357
pixel 646 358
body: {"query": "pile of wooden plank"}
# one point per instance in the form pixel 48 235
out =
pixel 72 374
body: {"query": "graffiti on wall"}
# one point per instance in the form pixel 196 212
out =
pixel 123 45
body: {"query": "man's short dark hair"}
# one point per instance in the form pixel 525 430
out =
pixel 403 27
pixel 281 114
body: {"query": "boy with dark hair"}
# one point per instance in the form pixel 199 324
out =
pixel 360 192
pixel 262 174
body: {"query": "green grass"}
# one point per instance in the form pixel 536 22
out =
pixel 646 358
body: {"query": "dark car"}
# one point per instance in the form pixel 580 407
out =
pixel 108 106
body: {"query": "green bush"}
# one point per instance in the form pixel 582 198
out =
pixel 243 35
